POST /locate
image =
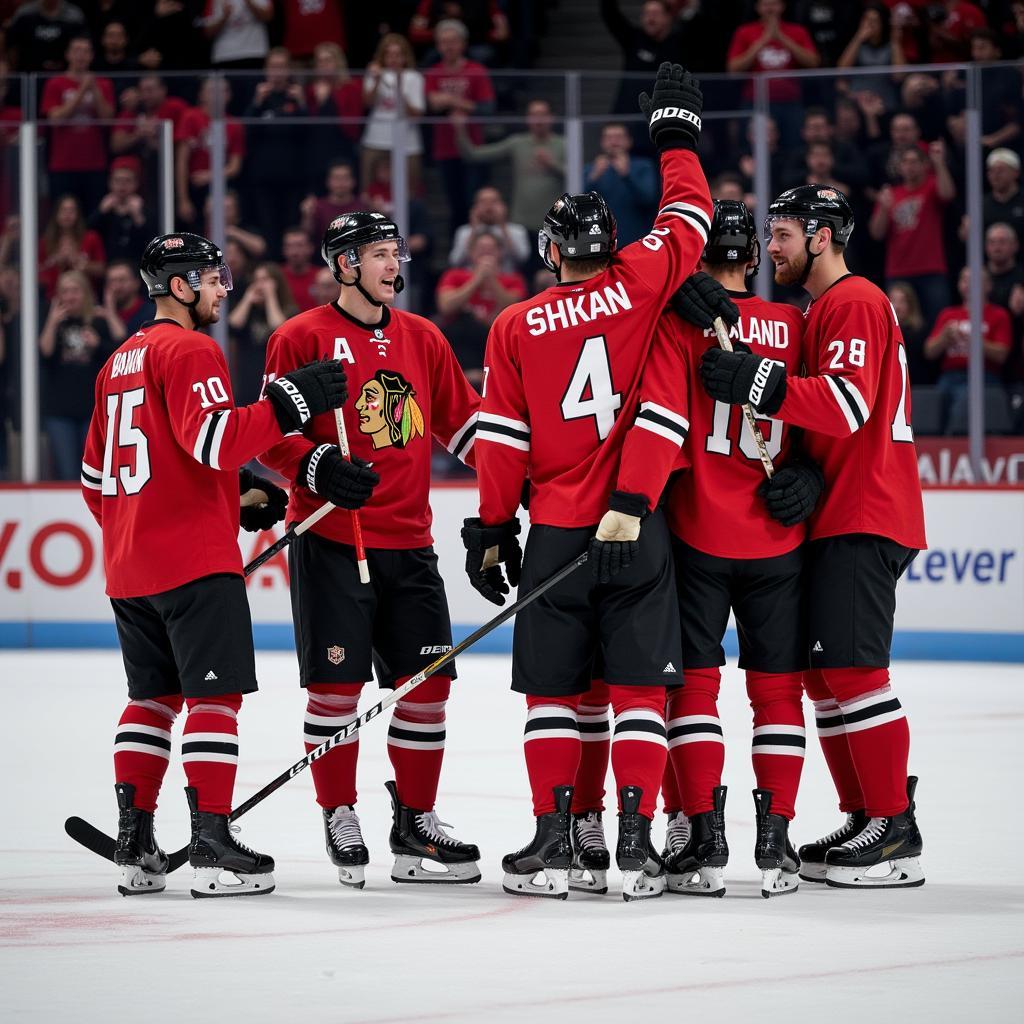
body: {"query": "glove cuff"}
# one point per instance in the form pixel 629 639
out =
pixel 627 504
pixel 306 476
pixel 768 390
pixel 290 405
pixel 681 142
pixel 245 479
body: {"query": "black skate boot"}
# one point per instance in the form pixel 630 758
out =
pixel 812 855
pixel 418 836
pixel 548 856
pixel 643 873
pixel 590 858
pixel 697 869
pixel 773 852
pixel 345 845
pixel 892 842
pixel 143 864
pixel 214 852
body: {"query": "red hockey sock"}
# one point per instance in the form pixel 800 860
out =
pixel 142 746
pixel 878 734
pixel 695 742
pixel 416 741
pixel 671 798
pixel 551 743
pixel 832 736
pixel 209 749
pixel 777 751
pixel 595 746
pixel 330 707
pixel 638 745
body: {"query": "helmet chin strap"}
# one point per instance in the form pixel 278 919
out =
pixel 190 306
pixel 399 285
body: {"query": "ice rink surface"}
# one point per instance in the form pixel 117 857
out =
pixel 71 949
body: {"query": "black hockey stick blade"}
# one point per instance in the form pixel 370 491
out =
pixel 100 843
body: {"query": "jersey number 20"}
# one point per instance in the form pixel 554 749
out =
pixel 590 391
pixel 123 437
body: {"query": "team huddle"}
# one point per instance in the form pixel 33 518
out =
pixel 609 410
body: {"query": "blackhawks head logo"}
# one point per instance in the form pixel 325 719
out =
pixel 388 411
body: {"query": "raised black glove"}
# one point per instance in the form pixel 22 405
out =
pixel 700 298
pixel 255 518
pixel 673 109
pixel 345 484
pixel 616 543
pixel 793 492
pixel 487 547
pixel 740 377
pixel 300 395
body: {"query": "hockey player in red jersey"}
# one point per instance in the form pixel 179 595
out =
pixel 737 539
pixel 408 389
pixel 855 409
pixel 562 402
pixel 165 436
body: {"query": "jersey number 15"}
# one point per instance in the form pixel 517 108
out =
pixel 124 438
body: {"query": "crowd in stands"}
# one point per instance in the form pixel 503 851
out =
pixel 313 93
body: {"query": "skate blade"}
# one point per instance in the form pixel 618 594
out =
pixel 638 885
pixel 588 880
pixel 901 873
pixel 423 870
pixel 213 883
pixel 812 872
pixel 552 883
pixel 352 877
pixel 136 881
pixel 703 882
pixel 776 882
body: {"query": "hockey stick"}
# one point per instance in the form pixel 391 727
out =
pixel 289 535
pixel 91 837
pixel 357 527
pixel 748 413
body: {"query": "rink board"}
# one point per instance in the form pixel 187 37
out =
pixel 962 599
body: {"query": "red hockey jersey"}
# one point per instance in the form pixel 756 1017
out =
pixel 161 459
pixel 715 507
pixel 405 387
pixel 855 406
pixel 562 375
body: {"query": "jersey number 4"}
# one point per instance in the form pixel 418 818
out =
pixel 719 441
pixel 126 444
pixel 590 391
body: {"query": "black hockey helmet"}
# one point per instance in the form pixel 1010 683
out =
pixel 582 225
pixel 182 254
pixel 816 206
pixel 347 234
pixel 733 236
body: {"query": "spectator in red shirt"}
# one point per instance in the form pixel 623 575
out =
pixel 469 299
pixel 950 36
pixel 298 267
pixel 68 245
pixel 771 44
pixel 318 212
pixel 457 84
pixel 909 217
pixel 309 22
pixel 78 149
pixel 331 94
pixel 192 149
pixel 950 338
pixel 137 133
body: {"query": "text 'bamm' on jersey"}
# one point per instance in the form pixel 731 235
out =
pixel 574 310
pixel 753 331
pixel 128 362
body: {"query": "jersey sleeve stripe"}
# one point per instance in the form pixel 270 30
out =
pixel 659 412
pixel 846 405
pixel 494 419
pixel 697 217
pixel 91 478
pixel 853 392
pixel 502 430
pixel 92 485
pixel 218 437
pixel 463 438
pixel 668 431
pixel 89 471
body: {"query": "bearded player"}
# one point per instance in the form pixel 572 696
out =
pixel 855 409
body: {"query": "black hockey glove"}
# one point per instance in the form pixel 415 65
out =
pixel 700 298
pixel 345 484
pixel 307 392
pixel 673 109
pixel 616 543
pixel 793 492
pixel 740 377
pixel 255 518
pixel 487 547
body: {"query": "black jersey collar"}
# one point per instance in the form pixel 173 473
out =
pixel 369 328
pixel 745 294
pixel 159 320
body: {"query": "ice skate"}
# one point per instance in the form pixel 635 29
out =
pixel 677 833
pixel 643 873
pixel 885 854
pixel 812 855
pixel 345 845
pixel 143 864
pixel 418 837
pixel 773 853
pixel 698 868
pixel 222 865
pixel 542 867
pixel 590 858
